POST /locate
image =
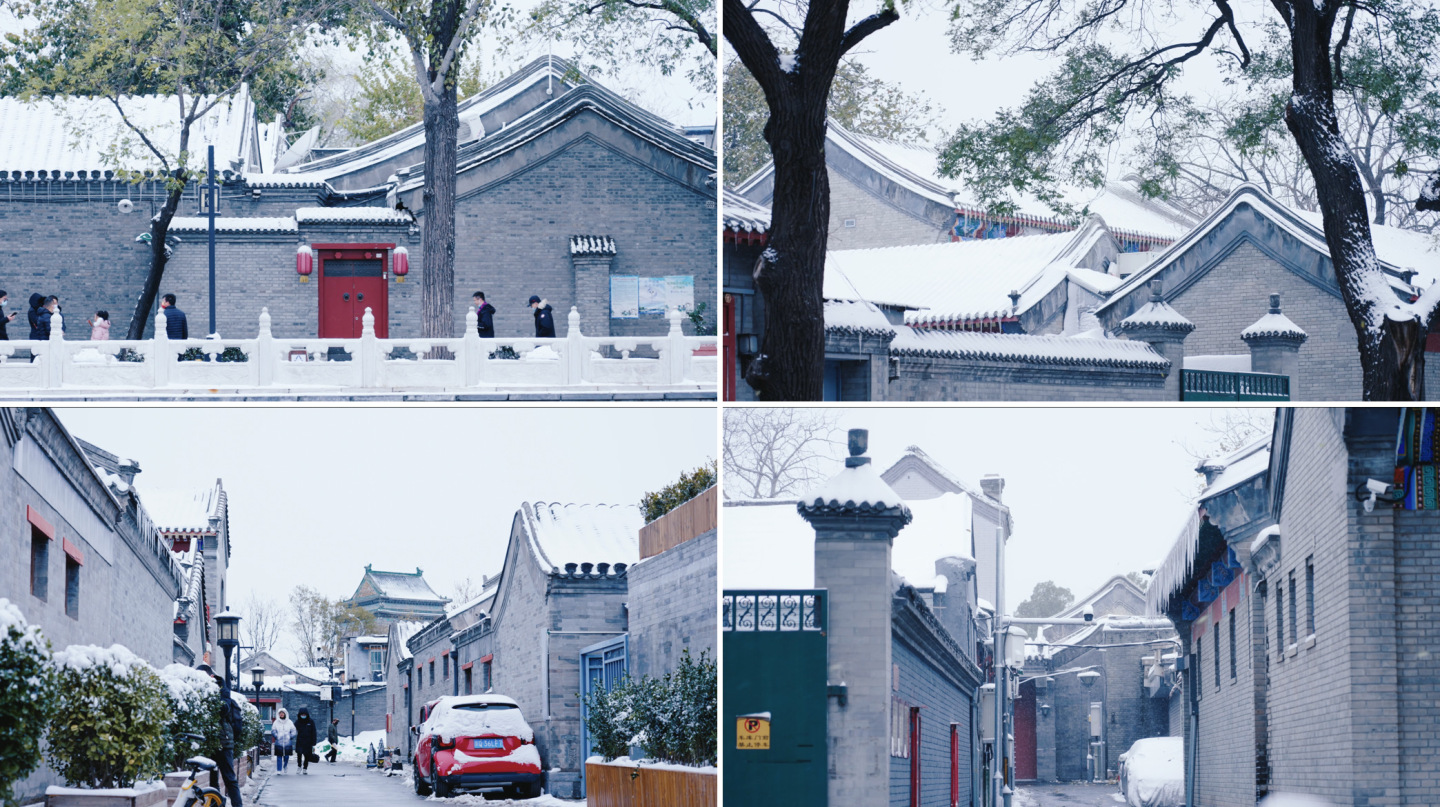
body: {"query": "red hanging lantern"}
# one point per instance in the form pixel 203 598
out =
pixel 304 262
pixel 402 264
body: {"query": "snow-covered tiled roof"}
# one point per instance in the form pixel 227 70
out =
pixel 856 318
pixel 957 281
pixel 351 215
pixel 1235 469
pixel 182 510
pixel 403 585
pixel 1397 249
pixel 592 245
pixel 859 488
pixel 258 180
pixel 917 169
pixel 1157 314
pixel 1030 349
pixel 75 133
pixel 582 533
pixel 1274 324
pixel 743 215
pixel 402 631
pixel 234 224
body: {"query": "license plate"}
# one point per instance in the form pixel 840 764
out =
pixel 488 744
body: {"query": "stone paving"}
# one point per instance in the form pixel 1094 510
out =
pixel 1075 794
pixel 352 785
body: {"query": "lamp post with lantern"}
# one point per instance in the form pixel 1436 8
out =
pixel 227 629
pixel 354 686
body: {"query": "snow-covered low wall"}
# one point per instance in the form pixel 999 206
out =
pixel 574 361
pixel 625 783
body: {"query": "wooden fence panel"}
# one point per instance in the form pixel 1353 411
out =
pixel 697 516
pixel 617 786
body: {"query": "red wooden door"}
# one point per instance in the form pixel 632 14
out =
pixel 1025 733
pixel 729 352
pixel 353 277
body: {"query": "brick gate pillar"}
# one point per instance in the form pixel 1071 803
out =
pixel 856 517
pixel 592 257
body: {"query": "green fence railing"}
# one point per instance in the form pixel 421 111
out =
pixel 1212 385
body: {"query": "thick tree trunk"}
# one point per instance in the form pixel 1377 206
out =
pixel 159 229
pixel 791 365
pixel 437 282
pixel 1392 354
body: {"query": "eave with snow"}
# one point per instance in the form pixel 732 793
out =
pixel 905 179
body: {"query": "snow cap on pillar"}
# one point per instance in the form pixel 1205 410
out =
pixel 1274 325
pixel 1156 317
pixel 857 490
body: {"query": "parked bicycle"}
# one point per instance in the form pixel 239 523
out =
pixel 192 793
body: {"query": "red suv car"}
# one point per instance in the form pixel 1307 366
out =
pixel 476 743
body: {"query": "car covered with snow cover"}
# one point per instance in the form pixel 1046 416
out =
pixel 1152 773
pixel 475 743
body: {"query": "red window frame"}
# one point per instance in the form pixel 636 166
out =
pixel 914 756
pixel 954 764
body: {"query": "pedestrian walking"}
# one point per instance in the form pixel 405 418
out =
pixel 484 316
pixel 332 735
pixel 176 327
pixel 5 317
pixel 100 326
pixel 282 733
pixel 44 316
pixel 304 740
pixel 33 315
pixel 544 317
pixel 232 727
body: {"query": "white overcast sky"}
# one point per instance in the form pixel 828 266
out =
pixel 317 493
pixel 1092 492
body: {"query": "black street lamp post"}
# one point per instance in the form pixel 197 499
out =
pixel 227 628
pixel 354 688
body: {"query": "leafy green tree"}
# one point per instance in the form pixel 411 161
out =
pixel 199 52
pixel 1047 599
pixel 435 34
pixel 389 99
pixel 1385 109
pixel 111 714
pixel 27 692
pixel 667 35
pixel 795 77
pixel 1107 86
pixel 691 484
pixel 858 101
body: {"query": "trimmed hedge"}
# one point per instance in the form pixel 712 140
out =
pixel 111 715
pixel 27 692
pixel 672 719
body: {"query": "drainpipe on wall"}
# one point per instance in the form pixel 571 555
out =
pixel 1193 730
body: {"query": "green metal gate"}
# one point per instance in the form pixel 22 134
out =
pixel 1213 385
pixel 775 671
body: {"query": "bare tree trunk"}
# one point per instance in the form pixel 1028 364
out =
pixel 1392 354
pixel 437 285
pixel 159 230
pixel 791 364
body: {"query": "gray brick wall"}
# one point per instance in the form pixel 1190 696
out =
pixel 926 379
pixel 1235 293
pixel 920 684
pixel 877 222
pixel 672 606
pixel 370 707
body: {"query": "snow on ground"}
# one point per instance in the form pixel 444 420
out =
pixel 357 749
pixel 477 800
pixel 1293 800
pixel 1023 798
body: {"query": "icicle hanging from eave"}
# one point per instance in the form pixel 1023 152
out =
pixel 1175 569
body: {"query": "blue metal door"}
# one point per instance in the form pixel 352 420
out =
pixel 602 666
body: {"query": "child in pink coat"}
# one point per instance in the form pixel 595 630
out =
pixel 100 327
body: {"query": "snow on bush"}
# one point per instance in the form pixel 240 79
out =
pixel 254 733
pixel 111 715
pixel 196 708
pixel 26 693
pixel 672 719
pixel 1153 772
pixel 454 719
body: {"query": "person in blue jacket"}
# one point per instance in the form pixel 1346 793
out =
pixel 175 325
pixel 544 317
